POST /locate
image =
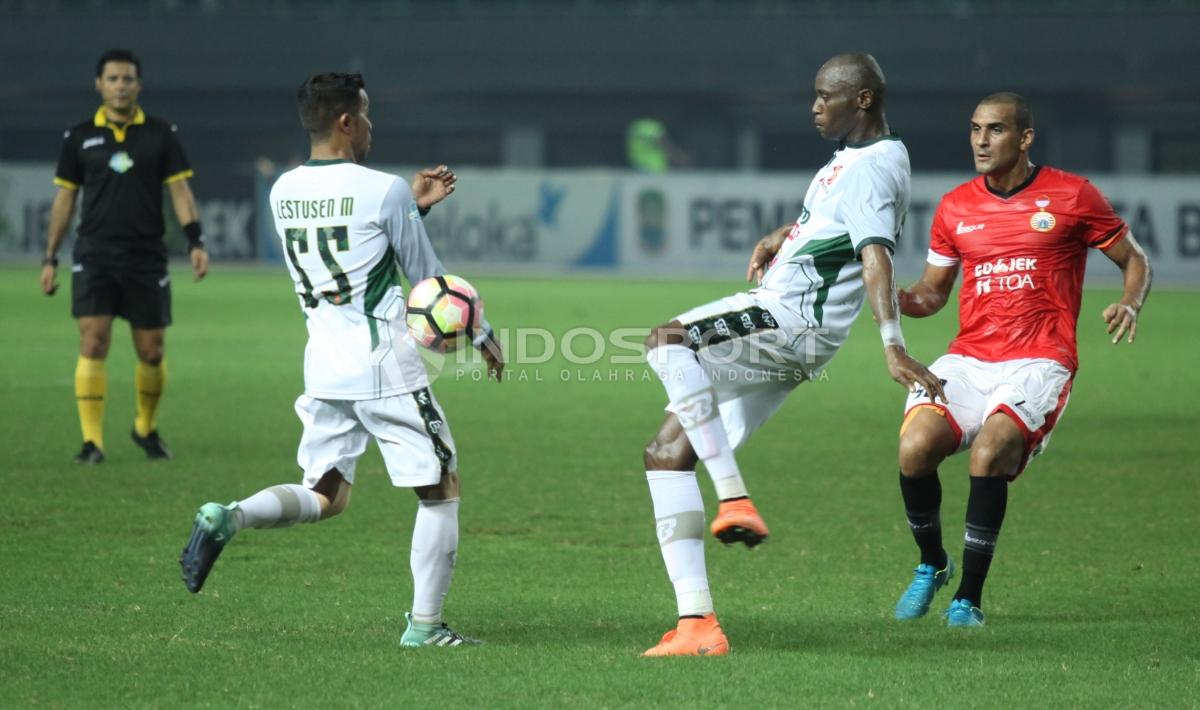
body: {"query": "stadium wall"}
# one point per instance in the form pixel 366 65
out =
pixel 508 221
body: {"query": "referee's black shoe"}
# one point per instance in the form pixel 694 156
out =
pixel 154 447
pixel 90 453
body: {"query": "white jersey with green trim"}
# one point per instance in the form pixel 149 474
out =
pixel 347 234
pixel 859 197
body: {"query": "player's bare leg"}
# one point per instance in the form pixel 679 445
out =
pixel 434 550
pixel 275 507
pixel 996 458
pixel 149 377
pixel 693 400
pixel 679 513
pixel 91 385
pixel 926 439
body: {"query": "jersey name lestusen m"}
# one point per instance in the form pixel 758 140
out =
pixel 314 209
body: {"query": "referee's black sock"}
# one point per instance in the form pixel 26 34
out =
pixel 985 515
pixel 922 506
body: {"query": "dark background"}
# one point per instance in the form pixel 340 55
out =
pixel 1114 85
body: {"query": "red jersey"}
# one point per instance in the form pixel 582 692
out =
pixel 1023 255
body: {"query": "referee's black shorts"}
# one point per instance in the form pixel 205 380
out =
pixel 140 295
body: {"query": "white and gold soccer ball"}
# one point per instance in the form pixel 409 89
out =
pixel 444 312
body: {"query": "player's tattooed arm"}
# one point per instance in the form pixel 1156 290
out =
pixel 879 279
pixel 1121 317
pixel 764 252
pixel 432 185
pixel 930 294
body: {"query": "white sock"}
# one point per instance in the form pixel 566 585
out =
pixel 694 402
pixel 434 549
pixel 278 507
pixel 679 512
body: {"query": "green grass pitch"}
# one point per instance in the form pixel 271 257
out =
pixel 1092 600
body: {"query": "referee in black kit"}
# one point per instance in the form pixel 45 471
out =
pixel 121 158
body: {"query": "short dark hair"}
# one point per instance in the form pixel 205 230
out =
pixel 1024 114
pixel 118 55
pixel 324 97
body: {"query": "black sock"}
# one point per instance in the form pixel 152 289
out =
pixel 985 515
pixel 922 506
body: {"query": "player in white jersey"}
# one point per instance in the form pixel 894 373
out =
pixel 727 366
pixel 348 232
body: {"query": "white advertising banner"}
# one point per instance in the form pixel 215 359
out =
pixel 27 193
pixel 708 223
pixel 676 225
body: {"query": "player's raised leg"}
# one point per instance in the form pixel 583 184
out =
pixel 434 551
pixel 693 400
pixel 996 457
pixel 926 439
pixel 332 441
pixel 279 506
pixel 91 385
pixel 679 515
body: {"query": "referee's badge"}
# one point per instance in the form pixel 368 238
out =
pixel 1042 220
pixel 120 162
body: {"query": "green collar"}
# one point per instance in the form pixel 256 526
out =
pixel 330 161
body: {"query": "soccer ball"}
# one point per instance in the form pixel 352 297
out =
pixel 444 312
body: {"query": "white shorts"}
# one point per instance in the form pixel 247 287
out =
pixel 753 360
pixel 410 429
pixel 1032 392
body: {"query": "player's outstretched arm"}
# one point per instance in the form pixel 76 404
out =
pixel 60 219
pixel 764 251
pixel 432 185
pixel 930 294
pixel 878 277
pixel 1122 316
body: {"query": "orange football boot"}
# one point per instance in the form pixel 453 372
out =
pixel 739 521
pixel 693 637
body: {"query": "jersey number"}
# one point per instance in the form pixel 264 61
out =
pixel 297 242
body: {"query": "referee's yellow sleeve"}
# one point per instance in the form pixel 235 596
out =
pixel 183 175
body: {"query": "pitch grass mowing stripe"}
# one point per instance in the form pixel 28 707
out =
pixel 1090 602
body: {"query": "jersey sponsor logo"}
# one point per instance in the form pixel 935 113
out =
pixel 93 142
pixel 1042 221
pixel 968 228
pixel 827 181
pixel 1004 266
pixel 120 162
pixel 1005 275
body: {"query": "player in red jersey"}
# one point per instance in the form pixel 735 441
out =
pixel 1020 234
